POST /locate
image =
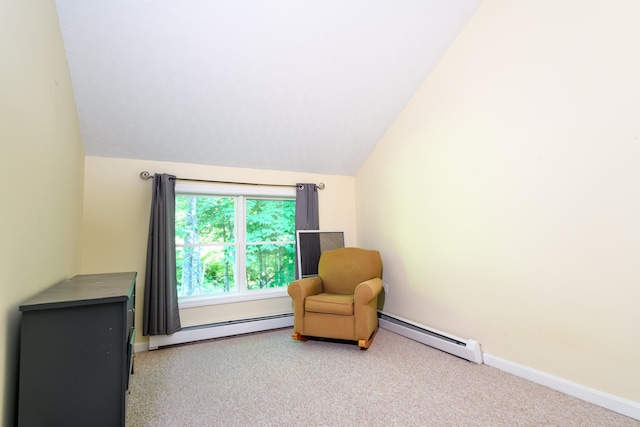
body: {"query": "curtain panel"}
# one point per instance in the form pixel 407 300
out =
pixel 161 316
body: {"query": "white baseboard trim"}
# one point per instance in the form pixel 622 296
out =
pixel 617 404
pixel 139 347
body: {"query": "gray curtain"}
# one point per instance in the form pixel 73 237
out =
pixel 161 316
pixel 307 218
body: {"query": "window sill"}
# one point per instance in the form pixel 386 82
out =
pixel 204 300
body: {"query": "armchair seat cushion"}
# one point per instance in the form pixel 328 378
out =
pixel 330 304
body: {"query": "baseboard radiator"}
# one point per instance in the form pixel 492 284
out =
pixel 465 349
pixel 222 329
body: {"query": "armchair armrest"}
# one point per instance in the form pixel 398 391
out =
pixel 298 291
pixel 365 310
pixel 366 291
pixel 302 288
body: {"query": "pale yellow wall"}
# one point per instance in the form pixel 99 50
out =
pixel 116 222
pixel 41 170
pixel 505 197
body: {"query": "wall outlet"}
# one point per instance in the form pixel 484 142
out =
pixel 385 286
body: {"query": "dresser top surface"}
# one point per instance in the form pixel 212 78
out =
pixel 84 289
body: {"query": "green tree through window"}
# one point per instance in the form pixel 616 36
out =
pixel 212 251
pixel 270 250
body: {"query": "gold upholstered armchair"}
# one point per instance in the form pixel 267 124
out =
pixel 342 301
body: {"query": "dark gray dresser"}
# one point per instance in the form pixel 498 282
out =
pixel 76 345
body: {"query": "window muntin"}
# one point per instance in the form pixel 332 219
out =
pixel 234 245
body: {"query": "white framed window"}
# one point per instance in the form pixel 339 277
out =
pixel 233 243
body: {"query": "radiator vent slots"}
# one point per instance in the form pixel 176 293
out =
pixel 465 349
pixel 222 329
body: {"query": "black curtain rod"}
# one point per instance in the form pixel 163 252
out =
pixel 146 175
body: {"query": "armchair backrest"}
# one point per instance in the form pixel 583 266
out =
pixel 341 270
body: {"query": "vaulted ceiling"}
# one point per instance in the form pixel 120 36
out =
pixel 292 85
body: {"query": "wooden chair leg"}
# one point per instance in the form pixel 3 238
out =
pixel 365 344
pixel 298 337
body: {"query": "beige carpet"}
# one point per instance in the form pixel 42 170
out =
pixel 267 379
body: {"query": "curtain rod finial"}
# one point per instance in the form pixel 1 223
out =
pixel 145 175
pixel 320 186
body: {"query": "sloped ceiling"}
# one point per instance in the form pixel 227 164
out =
pixel 292 85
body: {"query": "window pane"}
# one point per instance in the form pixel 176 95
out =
pixel 203 219
pixel 270 220
pixel 207 240
pixel 270 265
pixel 205 270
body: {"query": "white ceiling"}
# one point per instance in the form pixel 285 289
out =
pixel 292 85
